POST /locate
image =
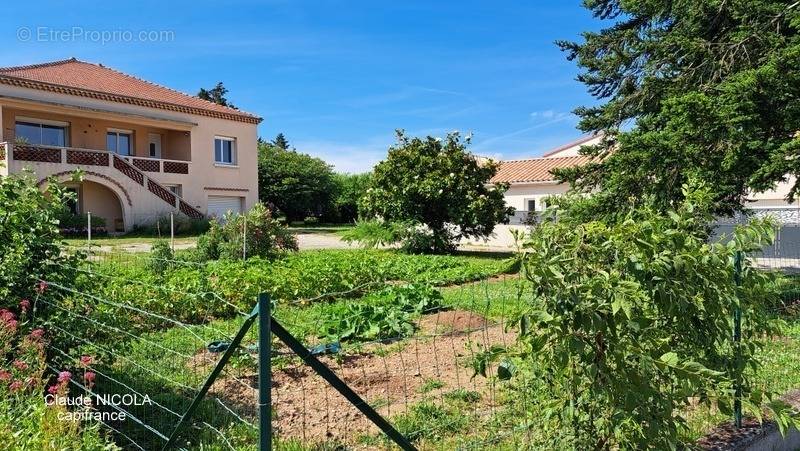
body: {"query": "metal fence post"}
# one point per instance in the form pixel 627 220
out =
pixel 737 338
pixel 88 229
pixel 264 372
pixel 172 231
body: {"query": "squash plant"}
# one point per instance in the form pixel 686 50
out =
pixel 631 322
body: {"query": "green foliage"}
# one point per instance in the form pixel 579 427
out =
pixel 374 233
pixel 77 225
pixel 26 421
pixel 29 236
pixel 297 184
pixel 350 188
pixel 182 224
pixel 430 421
pixel 629 321
pixel 216 95
pixel 265 237
pixel 161 257
pixel 438 185
pixel 712 88
pixel 193 293
pixel 388 314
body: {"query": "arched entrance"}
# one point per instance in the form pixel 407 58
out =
pixel 102 202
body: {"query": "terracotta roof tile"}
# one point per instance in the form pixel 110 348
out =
pixel 534 169
pixel 84 79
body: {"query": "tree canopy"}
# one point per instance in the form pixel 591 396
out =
pixel 705 91
pixel 295 183
pixel 438 184
pixel 216 95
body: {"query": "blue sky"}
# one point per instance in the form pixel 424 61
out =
pixel 338 77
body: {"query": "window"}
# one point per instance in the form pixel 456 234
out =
pixel 175 189
pixel 531 204
pixel 40 132
pixel 152 150
pixel 224 150
pixel 119 141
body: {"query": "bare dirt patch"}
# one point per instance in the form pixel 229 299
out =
pixel 390 377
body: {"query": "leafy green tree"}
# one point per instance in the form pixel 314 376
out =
pixel 707 90
pixel 295 183
pixel 350 188
pixel 216 95
pixel 629 321
pixel 438 186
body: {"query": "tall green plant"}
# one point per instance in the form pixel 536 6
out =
pixel 253 234
pixel 29 236
pixel 630 321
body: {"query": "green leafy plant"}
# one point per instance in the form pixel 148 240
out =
pixel 29 236
pixel 254 234
pixel 387 314
pixel 629 321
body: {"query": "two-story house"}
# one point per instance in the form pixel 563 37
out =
pixel 144 150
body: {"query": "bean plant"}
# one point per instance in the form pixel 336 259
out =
pixel 630 323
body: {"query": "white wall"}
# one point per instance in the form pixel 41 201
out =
pixel 518 195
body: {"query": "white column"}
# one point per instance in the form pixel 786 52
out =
pixel 2 129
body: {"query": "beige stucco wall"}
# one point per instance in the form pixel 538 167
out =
pixel 101 202
pixel 184 137
pixel 90 133
pixel 518 195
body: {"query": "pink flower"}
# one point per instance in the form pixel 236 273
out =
pixel 12 325
pixel 64 376
pixel 20 365
pixel 86 360
pixel 89 377
pixel 5 375
pixel 37 333
pixel 41 287
pixel 15 386
pixel 6 316
pixel 53 389
pixel 24 305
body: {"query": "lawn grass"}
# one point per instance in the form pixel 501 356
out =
pixel 130 239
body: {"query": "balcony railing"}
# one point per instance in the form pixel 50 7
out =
pixel 88 157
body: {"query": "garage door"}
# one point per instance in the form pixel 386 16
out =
pixel 219 205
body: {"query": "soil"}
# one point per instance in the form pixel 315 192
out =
pixel 391 377
pixel 727 437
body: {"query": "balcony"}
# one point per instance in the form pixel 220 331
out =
pixel 88 157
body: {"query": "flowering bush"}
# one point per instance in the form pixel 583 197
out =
pixel 27 421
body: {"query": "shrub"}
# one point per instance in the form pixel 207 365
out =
pixel 161 257
pixel 72 225
pixel 630 321
pixel 266 237
pixel 183 226
pixel 29 236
